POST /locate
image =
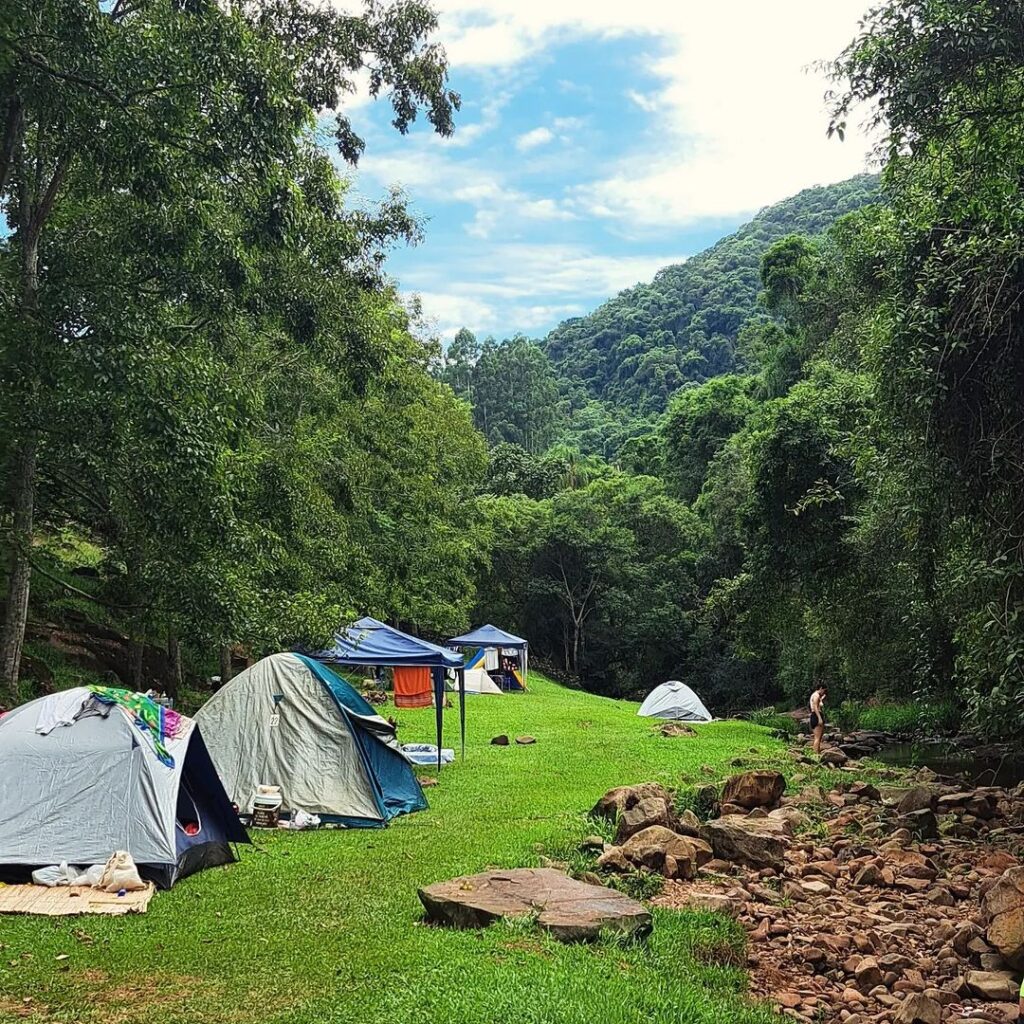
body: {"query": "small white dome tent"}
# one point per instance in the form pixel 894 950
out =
pixel 674 700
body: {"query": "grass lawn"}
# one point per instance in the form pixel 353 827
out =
pixel 326 926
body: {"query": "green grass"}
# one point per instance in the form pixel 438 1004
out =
pixel 927 716
pixel 327 927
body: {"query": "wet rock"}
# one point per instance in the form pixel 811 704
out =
pixel 754 789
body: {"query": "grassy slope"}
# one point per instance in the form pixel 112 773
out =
pixel 326 926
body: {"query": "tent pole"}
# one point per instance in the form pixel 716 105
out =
pixel 437 675
pixel 526 668
pixel 462 708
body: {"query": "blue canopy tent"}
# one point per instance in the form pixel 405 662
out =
pixel 373 643
pixel 491 636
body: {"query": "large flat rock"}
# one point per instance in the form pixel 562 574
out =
pixel 570 910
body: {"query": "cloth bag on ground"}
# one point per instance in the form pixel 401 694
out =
pixel 119 873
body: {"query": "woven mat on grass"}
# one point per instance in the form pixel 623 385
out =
pixel 64 900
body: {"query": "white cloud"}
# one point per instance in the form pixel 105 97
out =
pixel 532 139
pixel 742 120
pixel 649 103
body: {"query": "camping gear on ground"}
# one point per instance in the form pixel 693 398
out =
pixel 300 821
pixel 413 687
pixel 80 778
pixel 495 644
pixel 266 806
pixel 674 700
pixel 289 722
pixel 120 874
pixel 427 753
pixel 368 642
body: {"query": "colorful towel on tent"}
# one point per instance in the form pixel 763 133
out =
pixel 158 722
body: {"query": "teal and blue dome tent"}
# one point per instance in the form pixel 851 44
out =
pixel 492 638
pixel 287 721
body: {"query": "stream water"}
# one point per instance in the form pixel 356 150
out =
pixel 981 767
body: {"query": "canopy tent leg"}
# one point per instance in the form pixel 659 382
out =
pixel 462 708
pixel 437 674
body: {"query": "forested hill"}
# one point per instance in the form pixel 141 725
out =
pixel 639 347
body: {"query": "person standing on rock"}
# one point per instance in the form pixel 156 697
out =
pixel 817 722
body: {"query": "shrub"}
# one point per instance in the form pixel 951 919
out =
pixel 769 718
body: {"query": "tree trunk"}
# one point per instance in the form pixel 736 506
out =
pixel 575 645
pixel 174 675
pixel 23 487
pixel 225 664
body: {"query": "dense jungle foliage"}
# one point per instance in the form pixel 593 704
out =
pixel 798 456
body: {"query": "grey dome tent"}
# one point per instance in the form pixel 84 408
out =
pixel 80 778
pixel 674 700
pixel 287 721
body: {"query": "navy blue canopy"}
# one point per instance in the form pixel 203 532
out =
pixel 488 636
pixel 371 642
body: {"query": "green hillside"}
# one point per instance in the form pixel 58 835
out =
pixel 639 347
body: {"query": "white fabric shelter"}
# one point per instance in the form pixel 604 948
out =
pixel 674 700
pixel 478 681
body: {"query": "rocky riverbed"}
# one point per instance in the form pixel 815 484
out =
pixel 863 903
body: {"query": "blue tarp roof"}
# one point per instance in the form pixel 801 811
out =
pixel 488 636
pixel 369 642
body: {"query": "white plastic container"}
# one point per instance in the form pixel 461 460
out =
pixel 266 806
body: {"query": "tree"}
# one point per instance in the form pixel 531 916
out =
pixel 147 103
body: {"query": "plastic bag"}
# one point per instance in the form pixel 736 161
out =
pixel 301 820
pixel 119 873
pixel 55 874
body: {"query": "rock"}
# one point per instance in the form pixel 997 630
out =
pixel 789 1000
pixel 921 823
pixel 499 741
pixel 591 844
pixel 868 973
pixel 916 799
pixel 868 875
pixel 613 859
pixel 688 824
pixel 651 847
pixel 725 809
pixel 758 844
pixel 998 986
pixel 427 781
pixel 715 903
pixel 834 757
pixel 816 887
pixel 791 817
pixel 673 729
pixel 865 791
pixel 651 810
pixel 918 1009
pixel 622 798
pixel 1003 906
pixel 569 909
pixel 754 789
pixel 525 741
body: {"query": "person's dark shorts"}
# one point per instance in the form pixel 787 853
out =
pixel 814 721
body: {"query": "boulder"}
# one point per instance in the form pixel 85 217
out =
pixel 652 847
pixel 688 824
pixel 674 729
pixel 921 823
pixel 613 859
pixel 834 757
pixel 918 1008
pixel 792 818
pixel 1003 906
pixel 569 909
pixel 651 810
pixel 998 986
pixel 917 799
pixel 620 799
pixel 865 791
pixel 756 843
pixel 754 789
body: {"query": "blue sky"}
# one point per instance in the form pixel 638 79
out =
pixel 598 142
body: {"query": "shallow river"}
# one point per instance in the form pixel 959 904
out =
pixel 979 768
